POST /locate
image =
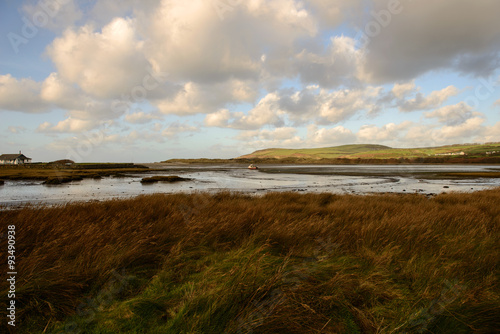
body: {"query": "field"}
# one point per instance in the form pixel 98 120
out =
pixel 378 152
pixel 279 263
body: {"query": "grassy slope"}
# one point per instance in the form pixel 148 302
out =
pixel 281 263
pixel 372 152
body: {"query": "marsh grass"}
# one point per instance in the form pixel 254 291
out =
pixel 162 178
pixel 279 263
pixel 55 174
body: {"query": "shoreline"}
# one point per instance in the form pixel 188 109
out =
pixel 362 180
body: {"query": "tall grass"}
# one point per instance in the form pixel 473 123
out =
pixel 280 263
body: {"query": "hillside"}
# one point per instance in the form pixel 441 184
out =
pixel 364 151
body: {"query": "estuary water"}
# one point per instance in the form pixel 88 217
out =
pixel 358 179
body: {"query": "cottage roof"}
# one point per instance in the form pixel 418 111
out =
pixel 13 156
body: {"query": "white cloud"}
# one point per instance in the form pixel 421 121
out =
pixel 471 127
pixel 433 100
pixel 69 125
pixel 195 98
pixel 331 13
pixel 300 107
pixel 20 95
pixel 387 133
pixel 338 65
pixel 266 112
pixel 218 119
pixel 342 105
pixel 104 64
pixel 191 42
pixel 60 93
pixel 279 137
pixel 175 129
pixel 329 136
pixel 454 114
pixel 279 57
pixel 141 117
pixel 490 134
pixel 402 90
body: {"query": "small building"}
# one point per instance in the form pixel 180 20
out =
pixel 14 159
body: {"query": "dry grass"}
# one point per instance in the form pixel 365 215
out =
pixel 160 178
pixel 61 173
pixel 280 263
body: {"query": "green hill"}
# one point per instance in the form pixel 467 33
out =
pixel 366 151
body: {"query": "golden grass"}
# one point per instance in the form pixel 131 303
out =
pixel 161 178
pixel 280 263
pixel 62 173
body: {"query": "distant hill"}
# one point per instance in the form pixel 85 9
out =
pixel 366 151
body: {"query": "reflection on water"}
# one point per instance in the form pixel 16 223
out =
pixel 359 179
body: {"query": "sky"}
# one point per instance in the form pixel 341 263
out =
pixel 130 81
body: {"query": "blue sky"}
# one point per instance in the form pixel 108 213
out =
pixel 127 81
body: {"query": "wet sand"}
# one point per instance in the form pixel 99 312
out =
pixel 357 179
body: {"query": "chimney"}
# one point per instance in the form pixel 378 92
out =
pixel 20 152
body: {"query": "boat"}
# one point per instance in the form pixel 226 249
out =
pixel 253 167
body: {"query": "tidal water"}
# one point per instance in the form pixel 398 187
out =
pixel 358 179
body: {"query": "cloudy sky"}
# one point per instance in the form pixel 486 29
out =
pixel 123 80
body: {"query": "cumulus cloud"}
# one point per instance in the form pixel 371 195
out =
pixel 191 42
pixel 311 104
pixel 331 13
pixel 434 100
pixel 141 117
pixel 401 90
pixel 328 106
pixel 266 112
pixel 62 94
pixel 104 64
pixel 329 136
pixel 454 114
pixel 195 98
pixel 279 137
pixel 340 64
pixel 219 118
pixel 271 69
pixel 467 129
pixel 428 35
pixel 68 125
pixel 387 133
pixel 175 129
pixel 491 133
pixel 20 95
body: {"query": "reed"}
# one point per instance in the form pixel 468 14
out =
pixel 278 263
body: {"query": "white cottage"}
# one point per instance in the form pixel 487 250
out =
pixel 14 159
